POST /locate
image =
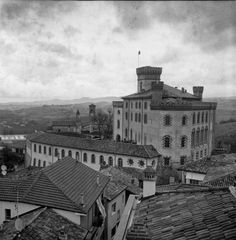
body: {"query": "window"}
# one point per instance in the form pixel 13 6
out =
pixel 49 151
pixel 39 163
pixel 166 141
pixel 93 160
pixel 40 148
pixel 120 162
pixel 118 124
pixel 35 148
pixel 202 136
pixel 130 161
pixel 126 133
pixel 202 117
pixel 113 231
pixel 198 137
pixel 110 161
pixel 126 116
pixel 198 117
pixel 193 181
pixel 145 105
pixel 118 112
pixel 166 161
pixel 197 155
pixel 184 120
pixel 194 118
pixel 44 163
pixel 126 104
pixel 69 153
pixel 131 104
pixel 193 138
pixel 85 157
pixel 77 156
pixel 139 105
pixel 101 159
pixel 206 135
pixel 44 150
pixel 206 117
pixel 131 116
pixel 34 164
pixel 62 153
pixel 131 134
pixel 136 105
pixel 205 152
pixel 113 208
pixel 139 117
pixel 167 120
pixel 183 142
pixel 136 117
pixel 7 214
pixel 201 154
pixel 141 163
pixel 56 152
pixel 183 160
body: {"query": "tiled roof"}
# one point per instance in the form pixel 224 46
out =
pixel 124 178
pixel 168 91
pixel 135 172
pixel 113 189
pixel 58 186
pixel 43 224
pixel 202 214
pixel 145 151
pixel 203 165
pixel 17 144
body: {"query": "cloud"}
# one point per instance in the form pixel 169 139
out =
pixel 58 49
pixel 70 31
pixel 210 24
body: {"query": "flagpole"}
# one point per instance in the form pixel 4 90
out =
pixel 138 57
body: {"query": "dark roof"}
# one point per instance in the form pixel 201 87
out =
pixel 58 186
pixel 135 172
pixel 145 151
pixel 124 178
pixel 113 189
pixel 201 214
pixel 168 92
pixel 43 224
pixel 64 123
pixel 203 165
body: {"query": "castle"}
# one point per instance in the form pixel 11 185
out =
pixel 177 123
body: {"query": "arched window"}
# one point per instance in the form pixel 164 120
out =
pixel 93 159
pixel 44 150
pixel 136 117
pixel 69 153
pixel 197 155
pixel 206 117
pixel 166 141
pixel 35 148
pixel 131 134
pixel 184 120
pixel 120 162
pixel 118 137
pixel 131 116
pixel 193 138
pixel 34 162
pixel 118 124
pixel 206 135
pixel 136 105
pixel 85 157
pixel 167 120
pixel 126 116
pixel 39 163
pixel 56 152
pixel 110 161
pixel 77 156
pixel 40 148
pixel 194 118
pixel 62 153
pixel 198 137
pixel 145 118
pixel 44 163
pixel 50 151
pixel 202 136
pixel 126 133
pixel 139 117
pixel 101 159
pixel 202 117
pixel 183 141
pixel 118 112
pixel 139 104
pixel 198 117
pixel 135 137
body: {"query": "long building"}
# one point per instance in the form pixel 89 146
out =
pixel 43 149
pixel 177 123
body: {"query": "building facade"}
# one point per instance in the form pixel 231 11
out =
pixel 46 148
pixel 178 124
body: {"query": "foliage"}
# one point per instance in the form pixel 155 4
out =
pixel 11 159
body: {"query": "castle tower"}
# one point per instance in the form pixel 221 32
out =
pixel 198 91
pixel 149 182
pixel 147 76
pixel 92 111
pixel 77 116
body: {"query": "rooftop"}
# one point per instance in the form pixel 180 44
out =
pixel 65 123
pixel 42 224
pixel 57 186
pixel 113 189
pixel 106 146
pixel 196 214
pixel 202 166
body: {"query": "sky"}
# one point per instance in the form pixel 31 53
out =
pixel 69 49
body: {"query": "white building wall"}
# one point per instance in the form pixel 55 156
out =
pixel 117 115
pixel 194 176
pixel 72 216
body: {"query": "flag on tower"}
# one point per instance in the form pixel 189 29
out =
pixel 139 52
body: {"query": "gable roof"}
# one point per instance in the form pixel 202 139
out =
pixel 168 92
pixel 44 223
pixel 58 186
pixel 208 214
pixel 106 146
pixel 203 165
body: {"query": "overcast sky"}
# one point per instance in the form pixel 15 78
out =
pixel 69 50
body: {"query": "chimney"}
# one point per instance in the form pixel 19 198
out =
pixel 82 199
pixel 98 181
pixel 149 182
pixel 198 91
pixel 157 91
